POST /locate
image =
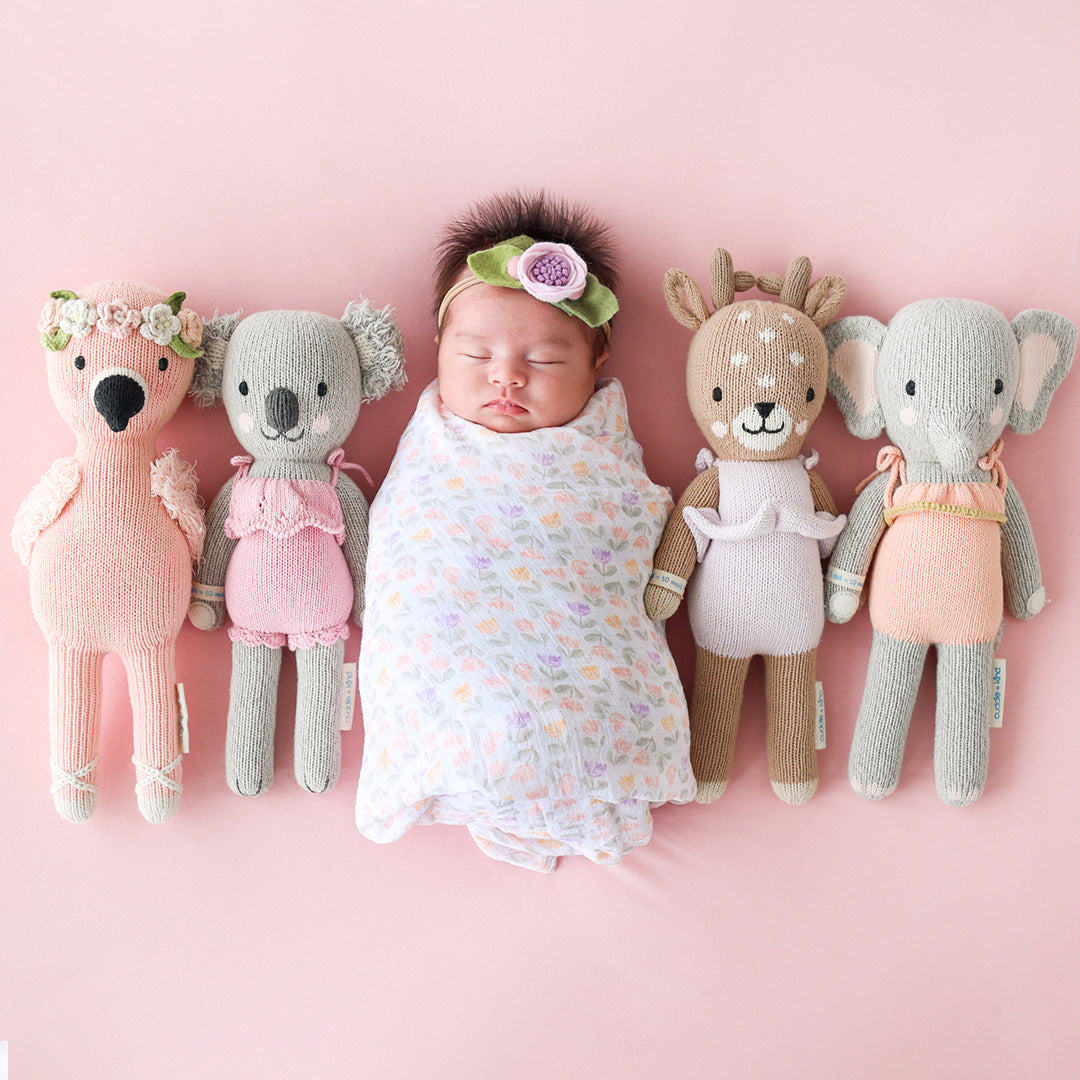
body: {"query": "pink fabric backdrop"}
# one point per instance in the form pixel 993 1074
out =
pixel 286 155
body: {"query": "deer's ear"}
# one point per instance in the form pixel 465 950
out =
pixel 684 299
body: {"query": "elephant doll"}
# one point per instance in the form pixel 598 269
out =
pixel 940 526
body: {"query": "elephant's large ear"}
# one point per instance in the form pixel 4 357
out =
pixel 1047 343
pixel 854 344
pixel 380 347
pixel 209 368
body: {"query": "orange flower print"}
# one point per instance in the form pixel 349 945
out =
pixel 552 520
pixel 455 483
pixel 556 729
pixel 488 626
pixel 590 671
pixel 519 573
pixel 626 782
pixel 463 693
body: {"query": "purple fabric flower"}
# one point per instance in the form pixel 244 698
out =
pixel 550 272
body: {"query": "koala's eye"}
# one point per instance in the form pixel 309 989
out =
pixel 717 394
pixel 998 386
pixel 80 362
pixel 321 389
pixel 810 394
pixel 163 364
pixel 243 387
pixel 910 388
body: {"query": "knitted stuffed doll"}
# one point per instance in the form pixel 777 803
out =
pixel 943 529
pixel 287 536
pixel 110 534
pixel 757 519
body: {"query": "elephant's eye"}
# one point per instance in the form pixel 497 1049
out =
pixel 910 388
pixel 998 386
pixel 321 389
pixel 243 387
pixel 717 394
pixel 810 395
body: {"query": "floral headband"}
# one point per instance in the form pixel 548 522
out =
pixel 554 273
pixel 66 316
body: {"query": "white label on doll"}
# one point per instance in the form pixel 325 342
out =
pixel 207 593
pixel 348 695
pixel 181 704
pixel 997 700
pixel 854 582
pixel 819 718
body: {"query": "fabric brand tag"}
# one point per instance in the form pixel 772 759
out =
pixel 207 593
pixel 348 696
pixel 181 702
pixel 997 698
pixel 819 718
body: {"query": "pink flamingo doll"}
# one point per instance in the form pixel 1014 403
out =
pixel 110 534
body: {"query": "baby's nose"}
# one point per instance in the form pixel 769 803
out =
pixel 507 373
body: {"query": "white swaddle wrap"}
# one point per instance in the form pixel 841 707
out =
pixel 510 678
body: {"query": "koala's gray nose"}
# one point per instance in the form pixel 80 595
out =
pixel 118 398
pixel 764 408
pixel 282 409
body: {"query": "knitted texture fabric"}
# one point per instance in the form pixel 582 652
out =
pixel 510 679
pixel 938 534
pixel 750 531
pixel 110 534
pixel 287 536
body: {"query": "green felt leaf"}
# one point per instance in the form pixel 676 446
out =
pixel 63 294
pixel 175 301
pixel 182 348
pixel 56 341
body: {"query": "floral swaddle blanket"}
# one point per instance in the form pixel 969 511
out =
pixel 510 678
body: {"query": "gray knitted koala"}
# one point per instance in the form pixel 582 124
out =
pixel 287 536
pixel 946 532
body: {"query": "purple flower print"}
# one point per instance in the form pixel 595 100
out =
pixel 448 622
pixel 518 719
pixel 640 711
pixel 478 561
pixel 578 608
pixel 549 659
pixel 511 511
pixel 601 555
pixel 595 768
pixel 631 498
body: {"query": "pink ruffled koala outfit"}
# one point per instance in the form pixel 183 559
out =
pixel 288 582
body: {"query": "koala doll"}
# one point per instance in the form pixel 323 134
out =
pixel 943 531
pixel 287 535
pixel 757 518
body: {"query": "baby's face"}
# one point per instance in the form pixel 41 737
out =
pixel 514 363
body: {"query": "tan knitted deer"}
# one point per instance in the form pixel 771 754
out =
pixel 753 526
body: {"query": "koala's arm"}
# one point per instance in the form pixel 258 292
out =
pixel 354 509
pixel 205 612
pixel 854 552
pixel 677 553
pixel 1024 592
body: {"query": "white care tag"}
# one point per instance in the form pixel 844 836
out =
pixel 997 697
pixel 348 696
pixel 181 704
pixel 819 716
pixel 206 593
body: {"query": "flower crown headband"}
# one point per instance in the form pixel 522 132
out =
pixel 66 316
pixel 554 273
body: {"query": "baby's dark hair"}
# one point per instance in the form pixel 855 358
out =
pixel 539 216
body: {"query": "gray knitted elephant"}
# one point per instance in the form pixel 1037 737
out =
pixel 946 532
pixel 287 535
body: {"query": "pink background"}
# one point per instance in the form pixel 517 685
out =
pixel 265 155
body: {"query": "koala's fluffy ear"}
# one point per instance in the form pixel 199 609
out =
pixel 684 299
pixel 380 347
pixel 854 344
pixel 1047 343
pixel 206 382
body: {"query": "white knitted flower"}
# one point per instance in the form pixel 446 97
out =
pixel 77 317
pixel 159 324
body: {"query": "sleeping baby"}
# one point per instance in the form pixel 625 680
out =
pixel 511 681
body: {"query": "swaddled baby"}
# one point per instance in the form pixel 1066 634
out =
pixel 511 681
